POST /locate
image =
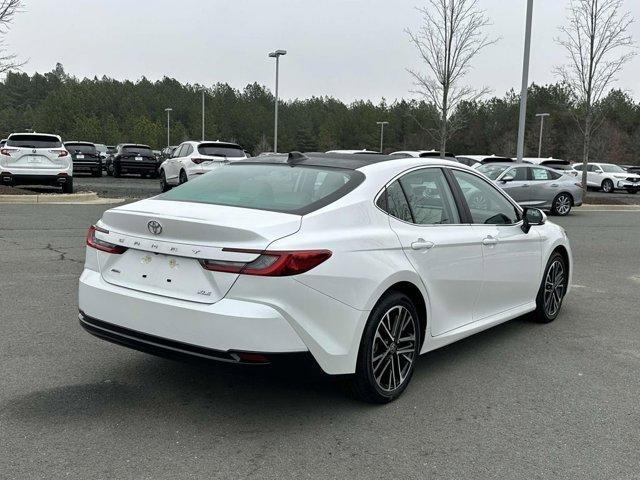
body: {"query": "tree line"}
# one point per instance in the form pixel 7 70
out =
pixel 109 111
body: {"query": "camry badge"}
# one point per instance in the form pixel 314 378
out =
pixel 154 227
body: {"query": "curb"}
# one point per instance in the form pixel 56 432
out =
pixel 51 198
pixel 596 207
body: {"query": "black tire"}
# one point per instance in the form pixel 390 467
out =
pixel 562 204
pixel 67 187
pixel 116 171
pixel 153 175
pixel 632 192
pixel 164 186
pixel 543 313
pixel 97 173
pixel 364 384
pixel 109 169
pixel 607 186
pixel 183 177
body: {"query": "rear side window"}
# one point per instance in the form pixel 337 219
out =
pixel 34 141
pixel 274 187
pixel 213 149
pixel 543 174
pixel 138 150
pixel 397 205
pixel 80 148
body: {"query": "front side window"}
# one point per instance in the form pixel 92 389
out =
pixel 492 170
pixel 430 199
pixel 486 204
pixel 609 168
pixel 188 150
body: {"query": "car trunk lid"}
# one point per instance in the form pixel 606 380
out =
pixel 164 250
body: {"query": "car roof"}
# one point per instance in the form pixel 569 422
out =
pixel 542 161
pixel 142 145
pixel 484 158
pixel 35 135
pixel 79 142
pixel 346 161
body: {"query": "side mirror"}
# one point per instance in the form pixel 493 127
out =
pixel 599 171
pixel 532 216
pixel 509 177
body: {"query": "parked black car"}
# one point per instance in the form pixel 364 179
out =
pixel 133 158
pixel 86 158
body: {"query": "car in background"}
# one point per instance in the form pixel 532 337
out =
pixel 422 154
pixel 86 157
pixel 536 186
pixel 102 151
pixel 360 263
pixel 355 152
pixel 632 168
pixel 133 158
pixel 3 142
pixel 609 177
pixel 36 159
pixel 476 160
pixel 167 152
pixel 194 158
pixel 562 166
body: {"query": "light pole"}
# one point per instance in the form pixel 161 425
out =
pixel 541 115
pixel 277 54
pixel 168 110
pixel 525 81
pixel 203 114
pixel 382 124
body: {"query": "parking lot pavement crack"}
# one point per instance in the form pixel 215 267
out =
pixel 62 253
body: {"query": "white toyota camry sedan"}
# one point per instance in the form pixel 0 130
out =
pixel 361 261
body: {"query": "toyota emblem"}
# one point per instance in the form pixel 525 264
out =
pixel 154 227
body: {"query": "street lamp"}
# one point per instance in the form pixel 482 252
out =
pixel 525 80
pixel 541 115
pixel 168 110
pixel 277 54
pixel 382 124
pixel 203 114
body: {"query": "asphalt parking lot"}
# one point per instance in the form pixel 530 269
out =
pixel 519 401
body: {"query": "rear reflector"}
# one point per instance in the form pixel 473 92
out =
pixel 270 263
pixel 101 245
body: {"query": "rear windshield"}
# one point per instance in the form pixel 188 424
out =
pixel 34 141
pixel 227 151
pixel 80 148
pixel 277 188
pixel 138 150
pixel 557 166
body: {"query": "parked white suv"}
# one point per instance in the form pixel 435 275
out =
pixel 610 177
pixel 191 159
pixel 36 159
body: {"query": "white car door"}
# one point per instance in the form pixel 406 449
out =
pixel 444 252
pixel 173 165
pixel 594 175
pixel 512 258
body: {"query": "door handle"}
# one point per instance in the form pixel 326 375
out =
pixel 489 240
pixel 422 244
pixel 525 185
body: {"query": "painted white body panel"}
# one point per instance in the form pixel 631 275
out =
pixel 466 286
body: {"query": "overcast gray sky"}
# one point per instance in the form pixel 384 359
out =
pixel 349 49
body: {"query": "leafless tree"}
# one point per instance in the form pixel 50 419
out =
pixel 598 44
pixel 8 10
pixel 450 36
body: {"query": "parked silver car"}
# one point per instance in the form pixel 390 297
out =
pixel 536 186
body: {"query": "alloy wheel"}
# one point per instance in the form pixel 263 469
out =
pixel 394 348
pixel 563 204
pixel 554 288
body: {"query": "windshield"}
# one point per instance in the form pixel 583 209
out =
pixel 138 150
pixel 278 188
pixel 34 141
pixel 80 148
pixel 492 170
pixel 609 168
pixel 226 151
pixel 558 166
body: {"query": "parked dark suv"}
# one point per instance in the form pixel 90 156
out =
pixel 86 158
pixel 133 158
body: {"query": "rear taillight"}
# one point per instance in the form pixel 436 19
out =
pixel 198 161
pixel 270 263
pixel 60 153
pixel 101 245
pixel 7 151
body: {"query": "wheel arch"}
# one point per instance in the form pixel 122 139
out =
pixel 416 296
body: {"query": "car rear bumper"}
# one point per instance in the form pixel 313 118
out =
pixel 86 166
pixel 55 179
pixel 310 322
pixel 137 167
